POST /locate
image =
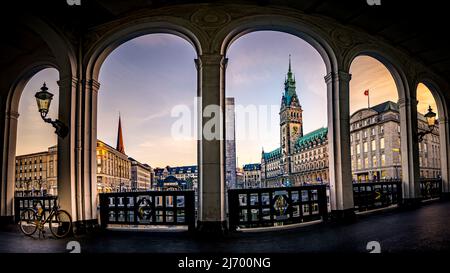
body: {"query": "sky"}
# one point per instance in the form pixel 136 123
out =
pixel 148 79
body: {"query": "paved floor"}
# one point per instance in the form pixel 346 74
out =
pixel 426 229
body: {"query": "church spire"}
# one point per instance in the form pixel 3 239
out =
pixel 120 147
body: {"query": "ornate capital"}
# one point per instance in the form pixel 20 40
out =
pixel 92 85
pixel 407 102
pixel 211 59
pixel 70 80
pixel 338 76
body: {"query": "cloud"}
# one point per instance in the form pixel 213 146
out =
pixel 164 113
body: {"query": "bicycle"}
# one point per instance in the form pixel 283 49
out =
pixel 59 221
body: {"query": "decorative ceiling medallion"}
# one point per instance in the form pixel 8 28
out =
pixel 208 17
pixel 342 37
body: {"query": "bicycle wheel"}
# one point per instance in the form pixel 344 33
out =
pixel 28 222
pixel 61 224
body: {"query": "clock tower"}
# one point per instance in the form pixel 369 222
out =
pixel 291 124
pixel 291 120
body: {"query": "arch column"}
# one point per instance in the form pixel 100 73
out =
pixel 77 189
pixel 8 181
pixel 340 177
pixel 67 187
pixel 444 132
pixel 88 153
pixel 410 148
pixel 211 149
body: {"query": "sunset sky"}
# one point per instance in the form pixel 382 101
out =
pixel 145 78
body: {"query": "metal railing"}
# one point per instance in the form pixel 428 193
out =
pixel 430 188
pixel 375 195
pixel 251 208
pixel 168 208
pixel 26 193
pixel 23 202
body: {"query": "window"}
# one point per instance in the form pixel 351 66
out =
pixel 382 129
pixel 358 149
pixel 373 132
pixel 383 160
pixel 365 134
pixel 374 161
pixel 382 143
pixel 366 147
pixel 374 145
pixel 351 150
pixel 366 162
pixel 359 164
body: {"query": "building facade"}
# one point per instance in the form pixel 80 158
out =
pixel 252 176
pixel 183 173
pixel 37 171
pixel 376 147
pixel 142 176
pixel 239 177
pixel 113 169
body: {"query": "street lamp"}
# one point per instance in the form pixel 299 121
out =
pixel 431 122
pixel 44 99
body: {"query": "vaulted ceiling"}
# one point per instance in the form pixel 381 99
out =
pixel 419 28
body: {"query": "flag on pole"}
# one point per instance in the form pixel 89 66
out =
pixel 367 93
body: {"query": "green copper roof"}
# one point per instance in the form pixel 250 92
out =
pixel 274 154
pixel 319 134
pixel 289 86
pixel 252 167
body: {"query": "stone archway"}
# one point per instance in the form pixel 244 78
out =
pixel 340 173
pixel 10 134
pixel 444 129
pixel 57 54
pixel 99 50
pixel 407 108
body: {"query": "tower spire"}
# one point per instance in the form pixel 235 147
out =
pixel 120 147
pixel 289 74
pixel 289 62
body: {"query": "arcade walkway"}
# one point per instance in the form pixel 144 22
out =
pixel 426 229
